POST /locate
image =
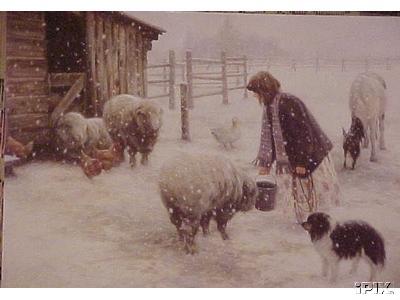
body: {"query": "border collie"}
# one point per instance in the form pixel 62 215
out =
pixel 350 240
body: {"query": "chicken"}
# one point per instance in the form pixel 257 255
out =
pixel 13 147
pixel 227 135
pixel 109 157
pixel 90 166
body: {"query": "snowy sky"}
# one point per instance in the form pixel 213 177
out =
pixel 327 36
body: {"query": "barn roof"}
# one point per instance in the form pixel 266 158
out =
pixel 148 26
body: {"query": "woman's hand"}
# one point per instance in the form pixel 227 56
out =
pixel 300 170
pixel 264 171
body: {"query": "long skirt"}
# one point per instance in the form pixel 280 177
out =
pixel 317 192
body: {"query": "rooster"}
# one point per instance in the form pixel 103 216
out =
pixel 227 135
pixel 13 147
pixel 90 166
pixel 109 157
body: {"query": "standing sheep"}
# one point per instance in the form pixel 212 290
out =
pixel 134 123
pixel 195 188
pixel 75 133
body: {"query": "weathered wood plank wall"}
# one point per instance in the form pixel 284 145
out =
pixel 117 53
pixel 26 71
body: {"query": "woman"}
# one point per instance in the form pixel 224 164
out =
pixel 291 137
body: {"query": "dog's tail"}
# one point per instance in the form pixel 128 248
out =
pixel 374 246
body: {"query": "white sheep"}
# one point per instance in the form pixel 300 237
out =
pixel 133 122
pixel 74 133
pixel 367 103
pixel 195 188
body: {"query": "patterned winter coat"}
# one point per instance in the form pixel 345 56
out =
pixel 305 143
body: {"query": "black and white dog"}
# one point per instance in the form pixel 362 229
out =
pixel 350 240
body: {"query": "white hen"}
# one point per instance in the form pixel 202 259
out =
pixel 227 135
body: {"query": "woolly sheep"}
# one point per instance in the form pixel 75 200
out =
pixel 134 123
pixel 74 133
pixel 195 188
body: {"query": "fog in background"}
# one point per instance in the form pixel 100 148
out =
pixel 260 35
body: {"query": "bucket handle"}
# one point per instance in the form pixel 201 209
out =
pixel 268 177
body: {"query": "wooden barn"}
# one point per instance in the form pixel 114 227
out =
pixel 60 61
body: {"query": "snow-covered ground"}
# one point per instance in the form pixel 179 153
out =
pixel 64 230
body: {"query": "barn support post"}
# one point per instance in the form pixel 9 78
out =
pixel 189 78
pixel 343 66
pixel 245 76
pixel 91 50
pixel 183 88
pixel 171 79
pixel 2 127
pixel 224 79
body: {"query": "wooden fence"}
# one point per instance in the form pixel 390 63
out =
pixel 199 73
pixel 208 77
pixel 319 64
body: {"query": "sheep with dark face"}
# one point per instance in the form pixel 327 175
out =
pixel 75 133
pixel 134 123
pixel 195 188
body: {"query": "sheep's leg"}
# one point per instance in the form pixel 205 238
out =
pixel 345 157
pixel 145 158
pixel 382 132
pixel 176 219
pixel 222 220
pixel 190 229
pixel 132 159
pixel 205 223
pixel 372 135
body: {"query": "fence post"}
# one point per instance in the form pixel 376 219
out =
pixel 224 79
pixel 245 75
pixel 294 65
pixel 343 66
pixel 237 77
pixel 164 75
pixel 189 78
pixel 183 71
pixel 183 88
pixel 171 79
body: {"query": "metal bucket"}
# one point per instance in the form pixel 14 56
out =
pixel 267 190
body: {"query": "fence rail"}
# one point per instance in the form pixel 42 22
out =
pixel 231 73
